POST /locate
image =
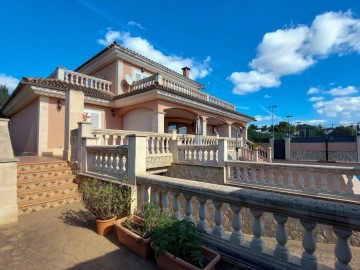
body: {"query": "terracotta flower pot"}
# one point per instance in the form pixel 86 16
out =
pixel 131 240
pixel 167 261
pixel 105 227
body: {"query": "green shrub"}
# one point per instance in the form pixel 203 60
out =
pixel 105 200
pixel 179 238
pixel 152 217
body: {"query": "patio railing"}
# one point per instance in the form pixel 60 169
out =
pixel 200 197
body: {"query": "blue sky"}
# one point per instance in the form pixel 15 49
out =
pixel 303 58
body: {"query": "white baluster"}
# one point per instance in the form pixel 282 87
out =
pixel 308 258
pixel 342 249
pixel 236 235
pixel 253 176
pixel 336 184
pixel 106 139
pixel 271 178
pixel 349 184
pixel 238 173
pixel 176 205
pixel 290 179
pixel 311 181
pixel 301 181
pixel 246 174
pixel 103 163
pixel 164 199
pixel 114 164
pixel 218 229
pixel 324 186
pixel 155 196
pixel 202 214
pixel 109 163
pixel 262 176
pixel 188 207
pixel 281 179
pixel 281 250
pixel 256 242
pixel 146 194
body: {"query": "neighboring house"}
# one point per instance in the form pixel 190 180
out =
pixel 119 89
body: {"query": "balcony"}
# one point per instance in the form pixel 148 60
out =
pixel 180 88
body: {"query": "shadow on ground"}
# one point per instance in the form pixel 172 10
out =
pixel 79 218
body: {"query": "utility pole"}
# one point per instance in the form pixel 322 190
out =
pixel 272 118
pixel 288 117
pixel 298 130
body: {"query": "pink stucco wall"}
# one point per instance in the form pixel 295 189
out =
pixel 24 128
pixel 109 72
pixel 56 124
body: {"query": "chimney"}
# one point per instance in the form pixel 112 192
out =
pixel 186 71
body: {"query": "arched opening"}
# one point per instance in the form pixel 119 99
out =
pixel 181 120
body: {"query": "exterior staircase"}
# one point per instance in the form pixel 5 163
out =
pixel 43 185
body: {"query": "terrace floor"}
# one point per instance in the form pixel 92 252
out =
pixel 63 238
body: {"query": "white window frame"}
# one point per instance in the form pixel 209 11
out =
pixel 96 112
pixel 135 71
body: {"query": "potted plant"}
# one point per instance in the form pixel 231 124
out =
pixel 135 231
pixel 177 246
pixel 105 201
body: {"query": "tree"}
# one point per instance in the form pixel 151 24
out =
pixel 4 94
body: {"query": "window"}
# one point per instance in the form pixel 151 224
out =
pixel 138 75
pixel 95 117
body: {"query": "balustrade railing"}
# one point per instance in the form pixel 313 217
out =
pixel 200 154
pixel 82 79
pixel 201 197
pixel 331 180
pixel 186 139
pixel 157 143
pixel 180 87
pixel 108 160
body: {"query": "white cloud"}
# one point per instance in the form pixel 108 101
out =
pixel 344 107
pixel 280 52
pixel 267 96
pixel 314 122
pixel 9 81
pixel 293 50
pixel 314 90
pixel 263 117
pixel 248 82
pixel 110 37
pixel 136 24
pixel 340 91
pixel 313 99
pixel 199 69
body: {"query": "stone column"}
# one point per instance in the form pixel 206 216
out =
pixel 271 141
pixel 43 126
pixel 287 148
pixel 84 139
pixel 222 152
pixel 158 122
pixel 136 164
pixel 8 177
pixel 74 109
pixel 204 128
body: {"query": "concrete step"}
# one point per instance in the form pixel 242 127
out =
pixel 42 166
pixel 44 174
pixel 47 192
pixel 26 207
pixel 31 184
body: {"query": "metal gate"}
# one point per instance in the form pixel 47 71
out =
pixel 279 149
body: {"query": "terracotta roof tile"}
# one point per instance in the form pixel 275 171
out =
pixel 65 86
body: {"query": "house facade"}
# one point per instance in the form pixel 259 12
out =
pixel 118 89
